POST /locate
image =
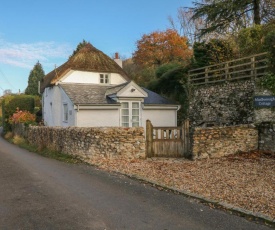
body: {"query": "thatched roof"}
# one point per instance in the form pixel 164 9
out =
pixel 86 59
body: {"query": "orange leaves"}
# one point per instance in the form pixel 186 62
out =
pixel 21 117
pixel 159 48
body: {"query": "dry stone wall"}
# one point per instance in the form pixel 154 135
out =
pixel 230 104
pixel 267 137
pixel 87 143
pixel 222 141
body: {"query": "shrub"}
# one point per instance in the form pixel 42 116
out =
pixel 18 140
pixel 269 46
pixel 212 52
pixel 250 40
pixel 10 105
pixel 8 135
pixel 268 82
pixel 24 117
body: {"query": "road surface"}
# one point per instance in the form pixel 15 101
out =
pixel 42 193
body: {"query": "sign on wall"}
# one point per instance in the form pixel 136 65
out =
pixel 264 101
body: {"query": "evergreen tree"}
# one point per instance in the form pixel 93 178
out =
pixel 79 47
pixel 36 75
pixel 227 15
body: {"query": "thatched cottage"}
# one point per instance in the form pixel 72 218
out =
pixel 91 90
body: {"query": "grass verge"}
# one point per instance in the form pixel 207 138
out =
pixel 22 143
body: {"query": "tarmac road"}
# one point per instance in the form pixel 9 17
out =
pixel 42 193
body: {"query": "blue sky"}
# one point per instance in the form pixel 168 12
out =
pixel 48 31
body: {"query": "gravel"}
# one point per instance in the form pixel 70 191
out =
pixel 245 180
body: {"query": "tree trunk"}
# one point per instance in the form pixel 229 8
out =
pixel 257 17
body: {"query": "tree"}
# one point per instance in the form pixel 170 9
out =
pixel 142 76
pixel 7 92
pixel 251 40
pixel 79 47
pixel 230 15
pixel 36 75
pixel 158 48
pixel 172 82
pixel 185 25
pixel 212 52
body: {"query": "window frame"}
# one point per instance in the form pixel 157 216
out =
pixel 130 114
pixel 65 112
pixel 104 78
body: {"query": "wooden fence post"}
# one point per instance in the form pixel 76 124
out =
pixel 206 75
pixel 253 72
pixel 185 137
pixel 149 139
pixel 227 76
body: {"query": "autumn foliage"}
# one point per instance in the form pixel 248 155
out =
pixel 22 117
pixel 159 48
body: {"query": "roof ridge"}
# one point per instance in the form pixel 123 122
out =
pixel 87 58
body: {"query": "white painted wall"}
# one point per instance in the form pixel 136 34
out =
pixel 160 117
pixel 53 100
pixel 97 118
pixel 51 106
pixel 71 116
pixel 75 76
pixel 131 92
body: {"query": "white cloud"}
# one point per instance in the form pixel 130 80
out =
pixel 26 55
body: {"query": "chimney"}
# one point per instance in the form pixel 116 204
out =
pixel 118 60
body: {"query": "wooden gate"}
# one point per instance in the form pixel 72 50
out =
pixel 167 141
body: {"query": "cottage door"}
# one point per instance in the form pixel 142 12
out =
pixel 130 114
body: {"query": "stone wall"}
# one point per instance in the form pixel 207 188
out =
pixel 115 142
pixel 267 136
pixel 222 141
pixel 228 103
pixel 231 103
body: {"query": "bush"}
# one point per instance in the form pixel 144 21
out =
pixel 10 105
pixel 268 82
pixel 269 46
pixel 18 140
pixel 212 52
pixel 250 40
pixel 8 135
pixel 24 117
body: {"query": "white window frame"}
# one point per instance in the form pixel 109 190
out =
pixel 130 114
pixel 104 78
pixel 65 112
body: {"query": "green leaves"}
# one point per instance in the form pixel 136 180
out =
pixel 212 52
pixel 223 16
pixel 36 75
pixel 268 82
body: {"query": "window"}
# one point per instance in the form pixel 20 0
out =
pixel 65 112
pixel 130 114
pixel 135 114
pixel 125 114
pixel 104 78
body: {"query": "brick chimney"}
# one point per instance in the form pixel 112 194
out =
pixel 118 60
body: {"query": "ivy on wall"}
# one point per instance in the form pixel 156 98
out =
pixel 268 82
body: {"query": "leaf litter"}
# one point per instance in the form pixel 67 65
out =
pixel 245 180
